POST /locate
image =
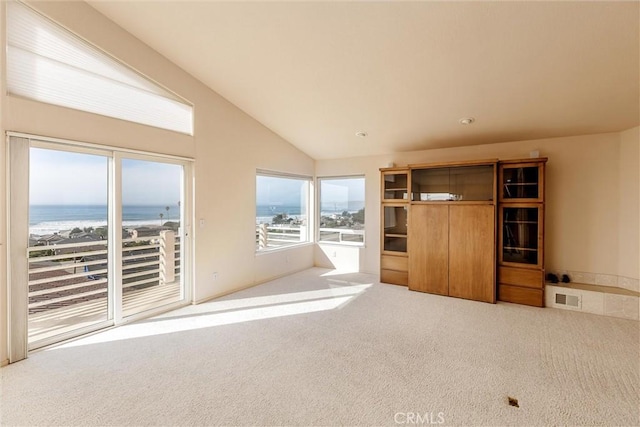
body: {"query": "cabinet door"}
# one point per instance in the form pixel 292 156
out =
pixel 394 229
pixel 522 182
pixel 521 234
pixel 462 183
pixel 429 249
pixel 395 186
pixel 472 252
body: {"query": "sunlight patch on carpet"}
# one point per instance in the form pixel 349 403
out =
pixel 228 312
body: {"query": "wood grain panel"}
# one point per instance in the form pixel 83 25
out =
pixel 429 249
pixel 394 277
pixel 519 295
pixel 453 164
pixel 398 263
pixel 521 277
pixel 472 252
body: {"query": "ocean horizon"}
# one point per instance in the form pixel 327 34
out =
pixel 49 219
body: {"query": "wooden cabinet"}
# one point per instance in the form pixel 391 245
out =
pixel 451 239
pixel 458 228
pixel 521 231
pixel 394 217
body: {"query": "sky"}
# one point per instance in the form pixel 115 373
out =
pixel 285 191
pixel 278 191
pixel 342 193
pixel 64 178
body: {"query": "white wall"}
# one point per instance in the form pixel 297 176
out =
pixel 228 146
pixel 586 226
pixel 629 206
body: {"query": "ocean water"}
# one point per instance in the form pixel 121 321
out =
pixel 47 219
pixel 265 213
pixel 273 210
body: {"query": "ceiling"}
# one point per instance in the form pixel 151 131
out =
pixel 405 72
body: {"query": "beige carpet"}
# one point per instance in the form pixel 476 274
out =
pixel 319 349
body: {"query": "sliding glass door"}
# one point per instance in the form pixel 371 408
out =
pixel 152 232
pixel 68 244
pixel 104 240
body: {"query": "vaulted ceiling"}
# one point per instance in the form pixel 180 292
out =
pixel 405 72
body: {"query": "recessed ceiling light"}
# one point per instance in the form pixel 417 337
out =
pixel 466 120
pixel 361 134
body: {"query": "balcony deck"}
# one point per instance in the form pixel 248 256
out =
pixel 45 325
pixel 68 284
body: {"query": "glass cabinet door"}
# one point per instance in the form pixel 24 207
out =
pixel 521 182
pixel 520 235
pixel 430 185
pixel 395 228
pixel 395 186
pixel 447 184
pixel 475 183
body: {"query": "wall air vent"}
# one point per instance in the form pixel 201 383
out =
pixel 569 300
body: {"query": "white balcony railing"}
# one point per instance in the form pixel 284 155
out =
pixel 274 236
pixel 341 235
pixel 74 273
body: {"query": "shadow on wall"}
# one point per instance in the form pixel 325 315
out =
pixel 342 258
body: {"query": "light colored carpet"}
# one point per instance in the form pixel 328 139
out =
pixel 330 349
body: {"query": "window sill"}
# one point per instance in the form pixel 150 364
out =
pixel 343 244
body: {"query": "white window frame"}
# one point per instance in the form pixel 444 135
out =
pixel 319 209
pixel 309 211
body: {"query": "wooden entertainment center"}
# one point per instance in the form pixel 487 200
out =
pixel 472 230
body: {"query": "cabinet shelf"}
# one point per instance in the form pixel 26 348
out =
pixel 402 236
pixel 516 248
pixel 520 222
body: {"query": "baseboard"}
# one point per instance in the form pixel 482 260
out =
pixel 223 294
pixel 4 363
